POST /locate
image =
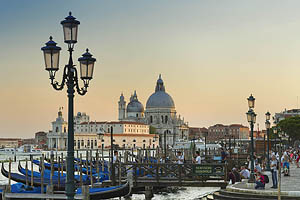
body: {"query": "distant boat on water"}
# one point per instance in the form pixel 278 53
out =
pixel 21 151
pixel 199 144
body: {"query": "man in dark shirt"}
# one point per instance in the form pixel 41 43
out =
pixel 231 177
pixel 237 175
pixel 223 155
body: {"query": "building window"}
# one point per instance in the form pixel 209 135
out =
pixel 75 143
pixel 124 140
pixel 95 142
pixel 56 130
pixel 82 142
pixel 151 119
pixel 162 119
pixel 144 140
pixel 88 143
pixel 166 119
pixel 102 140
pixel 114 140
pixel 134 140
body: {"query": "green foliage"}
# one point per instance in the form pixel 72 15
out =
pixel 152 130
pixel 291 126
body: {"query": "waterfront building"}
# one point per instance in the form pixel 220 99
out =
pixel 160 113
pixel 41 140
pixel 286 114
pixel 235 131
pixel 10 142
pixel 197 133
pixel 127 134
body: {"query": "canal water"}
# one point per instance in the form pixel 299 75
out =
pixel 186 193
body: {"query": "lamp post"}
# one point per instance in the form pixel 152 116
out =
pixel 70 79
pixel 165 144
pixel 279 134
pixel 268 125
pixel 251 117
pixel 112 156
pixel 205 150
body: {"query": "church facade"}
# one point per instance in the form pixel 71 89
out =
pixel 160 113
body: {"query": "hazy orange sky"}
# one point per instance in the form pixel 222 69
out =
pixel 212 55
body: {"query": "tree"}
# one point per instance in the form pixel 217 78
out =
pixel 291 126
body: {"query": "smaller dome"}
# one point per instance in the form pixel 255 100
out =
pixel 134 105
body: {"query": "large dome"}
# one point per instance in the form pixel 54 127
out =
pixel 134 105
pixel 160 99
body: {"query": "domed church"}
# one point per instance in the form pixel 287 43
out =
pixel 160 113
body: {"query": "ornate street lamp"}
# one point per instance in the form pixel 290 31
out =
pixel 251 117
pixel 251 101
pixel 70 79
pixel 268 125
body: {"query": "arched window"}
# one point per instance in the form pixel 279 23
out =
pixel 56 130
pixel 124 140
pixel 166 119
pixel 134 140
pixel 144 140
pixel 137 115
pixel 151 119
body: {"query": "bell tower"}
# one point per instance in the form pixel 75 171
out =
pixel 122 108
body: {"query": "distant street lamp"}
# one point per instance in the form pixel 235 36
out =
pixel 70 79
pixel 268 125
pixel 251 117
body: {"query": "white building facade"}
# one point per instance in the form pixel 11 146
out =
pixel 57 137
pixel 126 134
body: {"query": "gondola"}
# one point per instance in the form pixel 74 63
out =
pixel 36 181
pixel 56 174
pixel 95 193
pixel 62 176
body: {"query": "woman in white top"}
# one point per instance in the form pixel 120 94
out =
pixel 198 158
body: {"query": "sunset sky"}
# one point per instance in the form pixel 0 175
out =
pixel 212 55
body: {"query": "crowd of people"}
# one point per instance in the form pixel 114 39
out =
pixel 288 157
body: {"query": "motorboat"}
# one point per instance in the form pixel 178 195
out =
pixel 24 150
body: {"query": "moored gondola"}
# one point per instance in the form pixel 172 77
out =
pixel 36 181
pixel 95 193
